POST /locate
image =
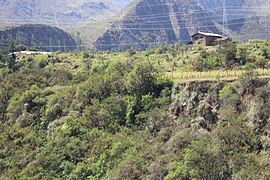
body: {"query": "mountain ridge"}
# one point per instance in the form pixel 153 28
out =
pixel 58 12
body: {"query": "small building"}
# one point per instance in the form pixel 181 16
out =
pixel 19 54
pixel 209 39
pixel 34 52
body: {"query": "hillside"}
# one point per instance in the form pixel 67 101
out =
pixel 146 23
pixel 151 23
pixel 120 116
pixel 61 13
pixel 116 25
pixel 36 36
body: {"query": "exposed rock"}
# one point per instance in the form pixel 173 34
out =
pixel 198 103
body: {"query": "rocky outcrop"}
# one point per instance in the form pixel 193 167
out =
pixel 197 101
pixel 199 104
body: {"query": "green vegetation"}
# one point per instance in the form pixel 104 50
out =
pixel 91 115
pixel 37 37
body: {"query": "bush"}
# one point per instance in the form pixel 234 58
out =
pixel 261 62
pixel 201 161
pixel 227 53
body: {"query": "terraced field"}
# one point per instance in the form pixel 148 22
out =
pixel 215 75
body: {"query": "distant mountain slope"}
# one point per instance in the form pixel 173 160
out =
pixel 148 23
pixel 37 36
pixel 116 24
pixel 241 14
pixel 58 12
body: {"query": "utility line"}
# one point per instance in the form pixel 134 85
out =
pixel 193 11
pixel 120 44
pixel 150 22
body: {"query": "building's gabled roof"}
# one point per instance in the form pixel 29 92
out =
pixel 207 34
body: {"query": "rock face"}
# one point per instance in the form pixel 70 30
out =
pixel 40 37
pixel 148 23
pixel 200 103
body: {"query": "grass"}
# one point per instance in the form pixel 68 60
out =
pixel 180 59
pixel 213 75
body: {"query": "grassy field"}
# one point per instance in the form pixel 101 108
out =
pixel 214 75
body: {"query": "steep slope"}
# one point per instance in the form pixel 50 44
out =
pixel 109 116
pixel 148 23
pixel 58 12
pixel 246 19
pixel 236 9
pixel 257 27
pixel 37 36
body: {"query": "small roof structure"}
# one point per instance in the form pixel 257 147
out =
pixel 207 34
pixel 34 52
pixel 30 52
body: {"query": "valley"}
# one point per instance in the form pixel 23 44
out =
pixel 128 90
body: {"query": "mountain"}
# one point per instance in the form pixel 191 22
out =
pixel 58 12
pixel 246 19
pixel 148 23
pixel 42 37
pixel 115 25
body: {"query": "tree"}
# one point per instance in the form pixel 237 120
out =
pixel 6 92
pixel 249 79
pixel 242 56
pixel 201 161
pixel 227 53
pixel 12 62
pixel 266 53
pixel 142 79
pixel 261 62
pixel 229 96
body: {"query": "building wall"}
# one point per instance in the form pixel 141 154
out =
pixel 210 40
pixel 199 40
pixel 204 40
